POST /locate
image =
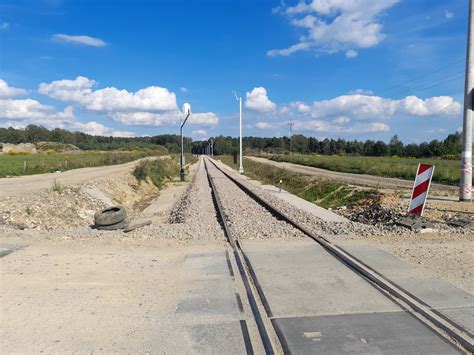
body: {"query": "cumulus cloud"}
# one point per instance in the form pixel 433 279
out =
pixel 21 113
pixel 164 119
pixel 151 106
pixel 183 89
pixel 29 109
pixel 257 100
pixel 98 129
pixel 351 53
pixel 200 133
pixel 80 91
pixel 263 125
pixel 336 25
pixel 320 126
pixel 85 40
pixel 373 107
pixel 8 91
pixel 300 106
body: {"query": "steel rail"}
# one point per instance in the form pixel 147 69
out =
pixel 445 327
pixel 242 263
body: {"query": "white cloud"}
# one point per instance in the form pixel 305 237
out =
pixel 362 92
pixel 183 89
pixel 21 113
pixel 164 119
pixel 204 118
pixel 86 40
pixel 4 26
pixel 110 99
pixel 351 53
pixel 98 129
pixel 29 109
pixel 300 106
pixel 336 25
pixel 200 133
pixel 263 125
pixel 320 126
pixel 8 91
pixel 151 106
pixel 448 14
pixel 375 107
pixel 340 121
pixel 257 100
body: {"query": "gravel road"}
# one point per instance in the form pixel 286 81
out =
pixel 23 185
pixel 358 179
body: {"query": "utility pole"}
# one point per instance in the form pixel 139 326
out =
pixel 465 184
pixel 291 123
pixel 241 168
pixel 212 147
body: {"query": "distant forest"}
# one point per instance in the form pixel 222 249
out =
pixel 448 148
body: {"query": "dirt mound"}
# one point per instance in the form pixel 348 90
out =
pixel 56 147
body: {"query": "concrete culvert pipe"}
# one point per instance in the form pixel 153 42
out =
pixel 110 216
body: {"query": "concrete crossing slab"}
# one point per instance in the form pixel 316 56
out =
pixel 300 278
pixel 367 333
pixel 448 299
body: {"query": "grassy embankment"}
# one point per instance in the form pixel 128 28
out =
pixel 160 171
pixel 19 163
pixel 324 193
pixel 446 171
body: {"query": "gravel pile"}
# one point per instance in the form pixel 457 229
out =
pixel 374 214
pixel 245 217
pixel 48 209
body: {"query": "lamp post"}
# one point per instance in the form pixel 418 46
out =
pixel 241 168
pixel 186 114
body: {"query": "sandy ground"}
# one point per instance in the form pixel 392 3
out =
pixel 60 297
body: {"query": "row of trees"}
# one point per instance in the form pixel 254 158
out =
pixel 34 134
pixel 451 146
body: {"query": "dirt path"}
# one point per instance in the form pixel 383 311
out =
pixel 23 185
pixel 357 179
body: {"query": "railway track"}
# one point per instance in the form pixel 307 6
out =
pixel 270 339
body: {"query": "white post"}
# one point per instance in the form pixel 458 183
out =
pixel 465 183
pixel 241 168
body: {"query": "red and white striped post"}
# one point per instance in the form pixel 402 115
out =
pixel 421 187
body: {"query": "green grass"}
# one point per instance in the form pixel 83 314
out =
pixel 324 193
pixel 28 164
pixel 159 171
pixel 446 171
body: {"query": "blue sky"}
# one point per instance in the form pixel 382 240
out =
pixel 357 69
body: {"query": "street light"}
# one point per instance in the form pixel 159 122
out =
pixel 186 113
pixel 241 168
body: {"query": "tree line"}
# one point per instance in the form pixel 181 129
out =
pixel 449 147
pixel 35 134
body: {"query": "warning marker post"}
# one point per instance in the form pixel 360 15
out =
pixel 419 195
